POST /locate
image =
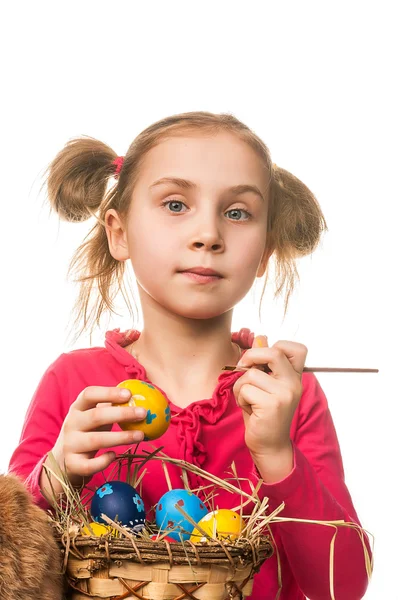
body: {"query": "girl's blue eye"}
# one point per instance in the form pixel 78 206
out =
pixel 233 210
pixel 239 210
pixel 172 202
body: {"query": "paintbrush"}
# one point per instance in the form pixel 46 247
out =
pixel 266 369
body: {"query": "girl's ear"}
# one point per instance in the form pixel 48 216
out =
pixel 116 235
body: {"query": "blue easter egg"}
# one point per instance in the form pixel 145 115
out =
pixel 168 516
pixel 119 501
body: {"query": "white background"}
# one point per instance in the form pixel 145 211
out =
pixel 317 82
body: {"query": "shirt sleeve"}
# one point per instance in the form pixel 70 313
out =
pixel 315 490
pixel 42 424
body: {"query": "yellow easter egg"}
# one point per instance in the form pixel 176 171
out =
pixel 223 523
pixel 98 529
pixel 144 394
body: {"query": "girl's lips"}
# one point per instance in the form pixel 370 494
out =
pixel 201 278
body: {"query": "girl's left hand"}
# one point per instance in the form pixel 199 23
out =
pixel 269 400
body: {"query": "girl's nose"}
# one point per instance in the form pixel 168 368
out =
pixel 208 243
pixel 208 236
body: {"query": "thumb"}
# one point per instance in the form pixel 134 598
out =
pixel 260 341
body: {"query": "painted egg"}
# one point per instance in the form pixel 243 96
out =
pixel 119 501
pixel 168 517
pixel 144 394
pixel 98 529
pixel 223 523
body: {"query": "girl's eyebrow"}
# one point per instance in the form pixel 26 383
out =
pixel 184 183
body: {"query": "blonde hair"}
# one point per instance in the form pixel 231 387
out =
pixel 78 188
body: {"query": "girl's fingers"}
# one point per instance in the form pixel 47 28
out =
pixel 296 353
pixel 87 467
pixel 93 395
pixel 274 358
pixel 92 441
pixel 280 358
pixel 260 341
pixel 95 418
pixel 249 396
pixel 258 378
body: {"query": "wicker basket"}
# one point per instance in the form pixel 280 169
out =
pixel 123 565
pixel 112 569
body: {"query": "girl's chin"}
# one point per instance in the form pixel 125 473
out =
pixel 201 313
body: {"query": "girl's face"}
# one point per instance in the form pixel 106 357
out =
pixel 185 213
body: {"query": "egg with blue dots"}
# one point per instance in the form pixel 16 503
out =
pixel 121 502
pixel 158 416
pixel 169 519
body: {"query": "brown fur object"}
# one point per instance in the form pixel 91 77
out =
pixel 30 560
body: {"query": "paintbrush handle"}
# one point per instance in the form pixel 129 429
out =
pixel 266 369
pixel 338 370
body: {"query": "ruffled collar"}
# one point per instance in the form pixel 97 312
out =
pixel 211 409
pixel 187 421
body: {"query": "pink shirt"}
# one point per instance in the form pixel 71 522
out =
pixel 210 433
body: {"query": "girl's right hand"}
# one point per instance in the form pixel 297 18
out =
pixel 87 429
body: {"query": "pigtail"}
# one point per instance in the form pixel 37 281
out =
pixel 295 226
pixel 95 269
pixel 78 176
pixel 296 217
pixel 77 185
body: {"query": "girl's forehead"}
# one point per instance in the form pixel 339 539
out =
pixel 222 154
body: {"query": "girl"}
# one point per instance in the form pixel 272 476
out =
pixel 199 209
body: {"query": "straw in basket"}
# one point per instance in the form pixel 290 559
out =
pixel 122 565
pixel 136 566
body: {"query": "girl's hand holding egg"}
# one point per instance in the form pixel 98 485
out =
pixel 87 429
pixel 157 408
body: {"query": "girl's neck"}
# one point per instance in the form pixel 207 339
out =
pixel 185 357
pixel 185 378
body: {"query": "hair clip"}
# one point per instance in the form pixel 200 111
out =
pixel 118 162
